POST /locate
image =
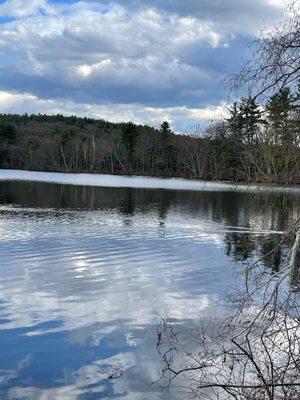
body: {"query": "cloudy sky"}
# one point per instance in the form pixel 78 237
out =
pixel 140 60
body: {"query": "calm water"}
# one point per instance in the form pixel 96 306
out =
pixel 85 272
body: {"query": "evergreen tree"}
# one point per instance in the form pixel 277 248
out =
pixel 253 118
pixel 128 136
pixel 246 118
pixel 282 110
pixel 279 106
pixel 165 129
pixel 167 149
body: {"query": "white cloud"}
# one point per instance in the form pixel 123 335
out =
pixel 149 59
pixel 87 35
pixel 21 8
pixel 114 55
pixel 178 116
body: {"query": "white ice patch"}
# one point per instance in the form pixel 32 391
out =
pixel 137 182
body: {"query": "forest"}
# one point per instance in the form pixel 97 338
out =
pixel 256 143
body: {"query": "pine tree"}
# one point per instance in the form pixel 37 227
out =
pixel 246 118
pixel 128 136
pixel 279 109
pixel 253 118
pixel 165 129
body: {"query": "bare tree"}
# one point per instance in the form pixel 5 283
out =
pixel 255 353
pixel 275 61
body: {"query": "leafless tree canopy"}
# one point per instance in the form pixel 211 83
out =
pixel 275 61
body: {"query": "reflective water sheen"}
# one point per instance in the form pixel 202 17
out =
pixel 85 272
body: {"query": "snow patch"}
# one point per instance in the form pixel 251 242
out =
pixel 137 182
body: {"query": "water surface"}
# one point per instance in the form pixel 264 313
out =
pixel 86 272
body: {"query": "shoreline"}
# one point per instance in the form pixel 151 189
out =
pixel 138 182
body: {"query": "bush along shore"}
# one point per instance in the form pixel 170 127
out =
pixel 255 144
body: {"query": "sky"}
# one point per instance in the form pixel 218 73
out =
pixel 126 60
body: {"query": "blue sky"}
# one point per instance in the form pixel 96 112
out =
pixel 140 60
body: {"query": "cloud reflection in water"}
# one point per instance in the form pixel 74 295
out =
pixel 84 272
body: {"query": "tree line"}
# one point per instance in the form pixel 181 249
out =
pixel 256 143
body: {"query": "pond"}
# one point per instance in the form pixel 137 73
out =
pixel 86 273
